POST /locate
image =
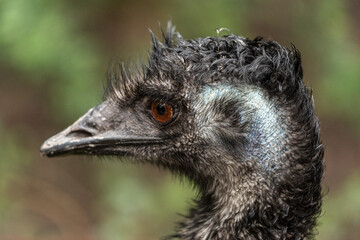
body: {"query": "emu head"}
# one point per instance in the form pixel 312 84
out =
pixel 231 114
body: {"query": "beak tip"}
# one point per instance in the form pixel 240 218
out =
pixel 45 150
pixel 50 147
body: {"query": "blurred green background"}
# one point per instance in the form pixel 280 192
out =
pixel 53 60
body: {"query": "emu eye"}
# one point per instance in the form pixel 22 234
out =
pixel 162 112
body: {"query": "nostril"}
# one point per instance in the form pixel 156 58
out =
pixel 80 133
pixel 92 125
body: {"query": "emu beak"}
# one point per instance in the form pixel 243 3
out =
pixel 104 130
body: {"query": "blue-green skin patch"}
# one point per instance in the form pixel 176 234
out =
pixel 264 133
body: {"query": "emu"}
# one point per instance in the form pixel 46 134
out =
pixel 229 113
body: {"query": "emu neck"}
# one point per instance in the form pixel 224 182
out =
pixel 254 207
pixel 226 209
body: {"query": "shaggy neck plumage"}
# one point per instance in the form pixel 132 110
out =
pixel 225 207
pixel 254 207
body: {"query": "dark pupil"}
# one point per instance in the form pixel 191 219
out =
pixel 161 109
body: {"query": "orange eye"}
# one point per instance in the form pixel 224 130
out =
pixel 162 112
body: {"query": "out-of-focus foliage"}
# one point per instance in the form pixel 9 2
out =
pixel 218 14
pixel 10 148
pixel 53 60
pixel 341 211
pixel 340 83
pixel 15 159
pixel 134 199
pixel 41 39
